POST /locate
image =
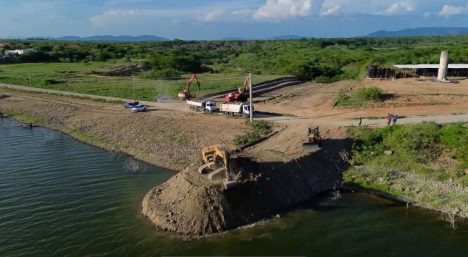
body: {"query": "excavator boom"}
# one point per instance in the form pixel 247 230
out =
pixel 186 94
pixel 240 95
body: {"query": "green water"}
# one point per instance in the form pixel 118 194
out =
pixel 59 197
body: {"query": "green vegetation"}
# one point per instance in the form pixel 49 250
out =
pixel 258 130
pixel 426 163
pixel 360 97
pixel 164 67
pixel 81 78
pixel 413 148
pixel 26 119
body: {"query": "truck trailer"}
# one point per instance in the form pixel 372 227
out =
pixel 203 105
pixel 233 109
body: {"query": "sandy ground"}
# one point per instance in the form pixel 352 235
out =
pixel 166 138
pixel 310 105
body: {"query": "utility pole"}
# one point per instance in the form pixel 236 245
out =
pixel 29 75
pixel 133 86
pixel 250 97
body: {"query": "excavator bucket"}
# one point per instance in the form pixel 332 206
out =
pixel 314 141
pixel 228 184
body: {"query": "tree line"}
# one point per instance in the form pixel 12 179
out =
pixel 324 60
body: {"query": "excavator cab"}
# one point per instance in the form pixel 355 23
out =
pixel 216 165
pixel 314 141
pixel 241 95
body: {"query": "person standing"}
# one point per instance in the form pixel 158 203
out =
pixel 389 119
pixel 394 119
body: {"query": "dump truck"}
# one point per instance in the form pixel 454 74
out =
pixel 236 109
pixel 202 105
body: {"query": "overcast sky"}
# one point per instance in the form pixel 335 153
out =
pixel 210 19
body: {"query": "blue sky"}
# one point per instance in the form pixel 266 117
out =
pixel 210 19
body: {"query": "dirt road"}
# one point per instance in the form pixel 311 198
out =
pixel 168 105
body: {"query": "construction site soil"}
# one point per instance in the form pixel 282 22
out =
pixel 274 175
pixel 192 205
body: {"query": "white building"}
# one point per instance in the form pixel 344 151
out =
pixel 19 51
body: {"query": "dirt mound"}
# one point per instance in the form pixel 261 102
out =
pixel 191 205
pixel 188 203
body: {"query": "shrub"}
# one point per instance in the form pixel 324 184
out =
pixel 370 94
pixel 259 129
pixel 47 82
pixel 163 73
pixel 360 97
pixel 455 137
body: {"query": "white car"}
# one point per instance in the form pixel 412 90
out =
pixel 139 108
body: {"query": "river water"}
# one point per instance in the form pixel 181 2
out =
pixel 59 197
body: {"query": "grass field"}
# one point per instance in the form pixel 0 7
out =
pixel 79 77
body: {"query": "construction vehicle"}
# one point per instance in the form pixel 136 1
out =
pixel 186 94
pixel 233 109
pixel 217 166
pixel 203 105
pixel 241 95
pixel 314 142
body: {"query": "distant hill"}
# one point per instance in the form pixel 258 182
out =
pixel 286 37
pixel 429 31
pixel 233 39
pixel 107 38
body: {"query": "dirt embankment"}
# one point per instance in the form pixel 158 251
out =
pixel 168 139
pixel 192 205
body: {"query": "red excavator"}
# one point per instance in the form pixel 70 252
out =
pixel 185 94
pixel 240 95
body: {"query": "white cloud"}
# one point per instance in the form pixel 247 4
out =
pixel 212 16
pixel 331 10
pixel 110 16
pixel 280 10
pixel 450 10
pixel 371 7
pixel 398 8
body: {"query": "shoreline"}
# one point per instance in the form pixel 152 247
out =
pixel 346 187
pixel 284 200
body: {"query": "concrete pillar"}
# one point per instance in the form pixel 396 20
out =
pixel 443 66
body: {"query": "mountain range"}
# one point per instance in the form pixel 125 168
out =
pixel 424 31
pixel 427 31
pixel 109 38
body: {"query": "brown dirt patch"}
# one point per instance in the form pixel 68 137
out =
pixel 168 139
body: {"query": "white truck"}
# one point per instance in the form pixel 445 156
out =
pixel 236 109
pixel 203 105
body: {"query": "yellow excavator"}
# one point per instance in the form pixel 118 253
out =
pixel 216 165
pixel 314 141
pixel 186 94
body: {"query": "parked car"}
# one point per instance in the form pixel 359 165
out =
pixel 139 108
pixel 130 104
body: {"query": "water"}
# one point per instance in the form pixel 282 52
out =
pixel 59 197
